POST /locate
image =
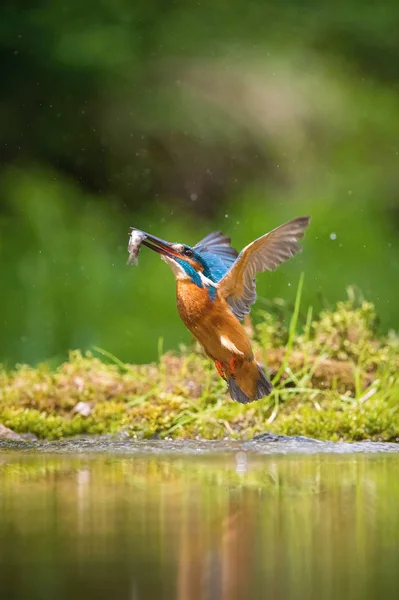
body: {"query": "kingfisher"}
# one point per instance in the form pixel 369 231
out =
pixel 215 288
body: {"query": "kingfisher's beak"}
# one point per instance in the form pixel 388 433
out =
pixel 161 246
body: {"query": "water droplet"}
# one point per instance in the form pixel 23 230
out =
pixel 333 236
pixel 193 197
pixel 226 216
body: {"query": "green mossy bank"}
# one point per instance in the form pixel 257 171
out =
pixel 334 380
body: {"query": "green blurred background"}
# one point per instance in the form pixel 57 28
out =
pixel 179 118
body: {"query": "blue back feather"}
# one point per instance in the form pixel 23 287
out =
pixel 217 255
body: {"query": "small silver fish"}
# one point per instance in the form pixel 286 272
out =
pixel 135 240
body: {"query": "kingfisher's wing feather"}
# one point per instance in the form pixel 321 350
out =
pixel 266 253
pixel 216 250
pixel 216 243
pixel 214 238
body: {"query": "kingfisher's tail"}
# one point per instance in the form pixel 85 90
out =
pixel 249 383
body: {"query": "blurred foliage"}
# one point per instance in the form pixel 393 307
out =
pixel 179 119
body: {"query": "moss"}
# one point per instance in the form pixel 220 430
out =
pixel 334 379
pixel 338 420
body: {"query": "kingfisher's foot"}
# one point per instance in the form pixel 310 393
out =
pixel 220 369
pixel 232 365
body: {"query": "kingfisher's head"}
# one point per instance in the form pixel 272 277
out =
pixel 185 261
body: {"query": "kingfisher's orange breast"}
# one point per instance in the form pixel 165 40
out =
pixel 211 322
pixel 193 303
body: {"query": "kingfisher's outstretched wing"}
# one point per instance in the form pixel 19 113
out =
pixel 266 253
pixel 219 256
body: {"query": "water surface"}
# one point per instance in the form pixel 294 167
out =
pixel 198 521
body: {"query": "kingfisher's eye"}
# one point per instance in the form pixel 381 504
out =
pixel 188 252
